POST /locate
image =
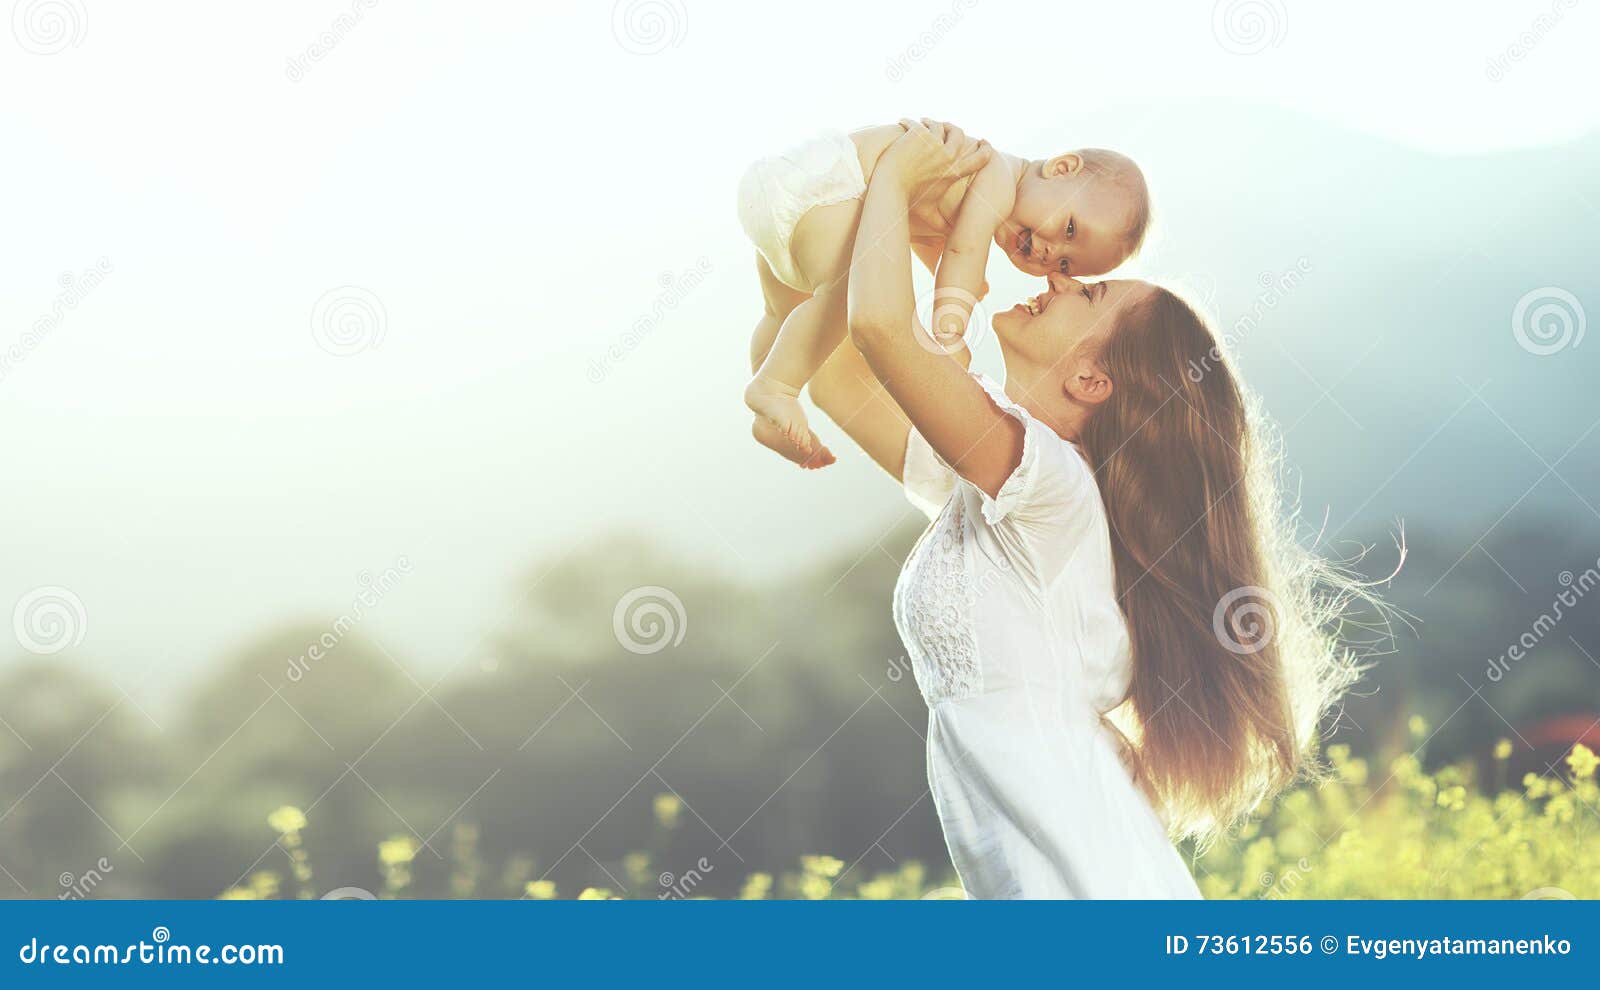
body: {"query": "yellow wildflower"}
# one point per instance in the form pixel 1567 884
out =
pixel 1582 761
pixel 287 819
pixel 667 807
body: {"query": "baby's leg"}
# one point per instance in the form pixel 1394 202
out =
pixel 813 327
pixel 780 300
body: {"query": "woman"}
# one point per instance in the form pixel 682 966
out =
pixel 1103 541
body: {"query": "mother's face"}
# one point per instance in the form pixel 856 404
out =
pixel 1071 317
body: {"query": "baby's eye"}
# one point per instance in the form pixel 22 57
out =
pixel 1072 226
pixel 1062 266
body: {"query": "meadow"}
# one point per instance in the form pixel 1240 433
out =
pixel 1360 832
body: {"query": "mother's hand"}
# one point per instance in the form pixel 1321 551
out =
pixel 930 155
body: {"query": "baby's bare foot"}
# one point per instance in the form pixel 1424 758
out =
pixel 780 405
pixel 768 435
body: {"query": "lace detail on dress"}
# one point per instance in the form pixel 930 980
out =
pixel 933 611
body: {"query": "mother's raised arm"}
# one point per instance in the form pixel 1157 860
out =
pixel 945 404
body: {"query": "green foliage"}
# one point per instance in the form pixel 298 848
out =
pixel 1410 835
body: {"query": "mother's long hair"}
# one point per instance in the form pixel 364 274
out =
pixel 1235 654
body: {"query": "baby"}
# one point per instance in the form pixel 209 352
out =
pixel 1082 213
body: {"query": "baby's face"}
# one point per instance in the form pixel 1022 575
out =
pixel 1074 224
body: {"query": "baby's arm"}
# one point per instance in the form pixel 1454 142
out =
pixel 959 284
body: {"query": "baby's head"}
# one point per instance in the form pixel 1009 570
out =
pixel 1082 213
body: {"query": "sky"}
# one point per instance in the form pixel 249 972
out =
pixel 329 287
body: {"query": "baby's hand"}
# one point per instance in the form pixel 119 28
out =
pixel 932 154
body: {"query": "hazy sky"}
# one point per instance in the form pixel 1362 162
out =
pixel 464 286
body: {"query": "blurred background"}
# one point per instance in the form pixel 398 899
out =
pixel 370 385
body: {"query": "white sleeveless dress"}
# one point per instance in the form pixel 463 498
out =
pixel 1007 608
